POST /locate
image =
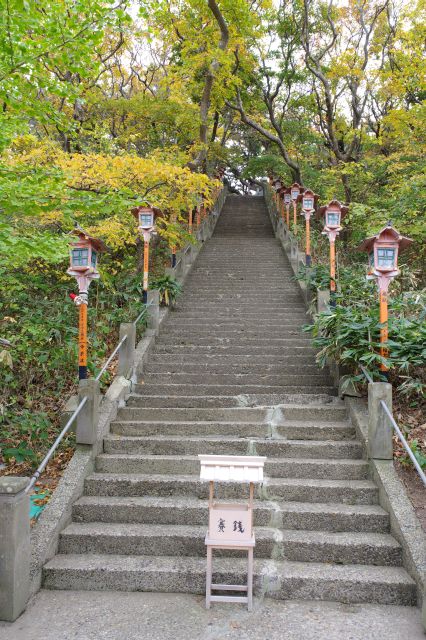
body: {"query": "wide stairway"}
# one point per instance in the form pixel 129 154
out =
pixel 233 373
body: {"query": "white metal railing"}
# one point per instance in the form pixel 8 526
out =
pixel 73 417
pixel 397 430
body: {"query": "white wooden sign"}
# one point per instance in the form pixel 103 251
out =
pixel 230 524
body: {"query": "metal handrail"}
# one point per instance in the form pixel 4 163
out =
pixel 398 431
pixel 104 368
pixel 54 446
pixel 404 442
pixel 64 431
pixel 142 313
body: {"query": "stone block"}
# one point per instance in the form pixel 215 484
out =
pixel 14 547
pixel 380 429
pixel 87 419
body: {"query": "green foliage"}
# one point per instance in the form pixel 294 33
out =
pixel 350 332
pixel 418 454
pixel 168 288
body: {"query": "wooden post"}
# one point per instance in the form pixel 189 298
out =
pixel 383 296
pixel 82 341
pixel 190 221
pixel 332 267
pixel 287 211
pixel 295 215
pixel 145 269
pixel 308 241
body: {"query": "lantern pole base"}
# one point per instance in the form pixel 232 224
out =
pixel 82 372
pixel 308 260
pixel 145 296
pixel 332 299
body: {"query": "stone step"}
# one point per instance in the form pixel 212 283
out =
pixel 213 359
pixel 243 341
pixel 274 467
pixel 278 331
pixel 175 322
pixel 226 445
pixel 192 511
pixel 231 401
pixel 330 412
pixel 278 579
pixel 295 431
pixel 188 540
pixel 294 489
pixel 228 390
pixel 207 369
pixel 238 379
pixel 230 349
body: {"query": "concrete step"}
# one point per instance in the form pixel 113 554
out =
pixel 214 340
pixel 242 400
pixel 192 511
pixel 294 489
pixel 226 445
pixel 280 580
pixel 275 467
pixel 242 378
pixel 176 322
pixel 228 390
pixel 330 412
pixel 295 431
pixel 277 332
pixel 188 540
pixel 202 350
pixel 238 379
pixel 188 360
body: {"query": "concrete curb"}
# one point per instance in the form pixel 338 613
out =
pixel 57 514
pixel 405 526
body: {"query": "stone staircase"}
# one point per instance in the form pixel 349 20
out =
pixel 232 373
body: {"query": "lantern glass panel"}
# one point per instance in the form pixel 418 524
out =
pixel 287 198
pixel 80 257
pixel 146 219
pixel 94 259
pixel 308 203
pixel 371 259
pixel 385 257
pixel 333 219
pixel 294 193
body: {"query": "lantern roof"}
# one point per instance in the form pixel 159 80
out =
pixel 145 207
pixel 387 235
pixel 231 468
pixel 309 193
pixel 343 208
pixel 97 244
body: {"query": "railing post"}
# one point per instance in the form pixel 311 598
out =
pixel 14 547
pixel 323 300
pixel 87 419
pixel 126 353
pixel 294 251
pixel 153 308
pixel 379 426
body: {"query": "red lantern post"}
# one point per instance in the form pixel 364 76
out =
pixel 383 250
pixel 295 191
pixel 333 213
pixel 83 266
pixel 309 200
pixel 145 215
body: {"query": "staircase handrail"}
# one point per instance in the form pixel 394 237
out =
pixel 397 430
